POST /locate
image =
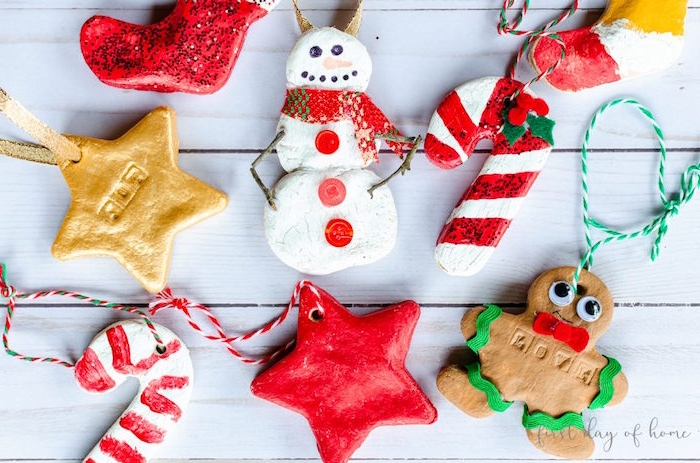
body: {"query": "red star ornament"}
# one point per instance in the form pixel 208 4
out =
pixel 347 373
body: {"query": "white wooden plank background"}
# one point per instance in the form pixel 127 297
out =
pixel 421 49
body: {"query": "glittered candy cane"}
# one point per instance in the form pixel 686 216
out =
pixel 473 112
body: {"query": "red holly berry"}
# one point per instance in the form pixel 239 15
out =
pixel 517 116
pixel 540 107
pixel 524 101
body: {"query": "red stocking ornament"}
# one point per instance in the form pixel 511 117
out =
pixel 633 38
pixel 193 50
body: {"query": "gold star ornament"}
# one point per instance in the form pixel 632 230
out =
pixel 129 199
pixel 128 196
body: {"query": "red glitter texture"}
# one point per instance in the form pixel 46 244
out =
pixel 193 50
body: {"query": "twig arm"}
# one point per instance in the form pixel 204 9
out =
pixel 266 191
pixel 405 165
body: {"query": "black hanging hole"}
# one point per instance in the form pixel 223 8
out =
pixel 161 350
pixel 316 315
pixel 580 290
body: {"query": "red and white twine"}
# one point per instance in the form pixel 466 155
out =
pixel 505 27
pixel 166 300
pixel 12 295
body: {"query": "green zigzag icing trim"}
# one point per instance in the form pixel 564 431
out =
pixel 493 397
pixel 607 390
pixel 541 419
pixel 483 327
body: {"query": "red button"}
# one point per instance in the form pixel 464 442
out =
pixel 339 233
pixel 331 191
pixel 327 142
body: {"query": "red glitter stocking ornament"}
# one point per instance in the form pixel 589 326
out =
pixel 193 50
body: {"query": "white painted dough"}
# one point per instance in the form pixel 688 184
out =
pixel 298 147
pixel 354 57
pixel 636 52
pixel 296 231
pixel 326 59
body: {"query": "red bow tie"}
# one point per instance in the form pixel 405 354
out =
pixel 549 325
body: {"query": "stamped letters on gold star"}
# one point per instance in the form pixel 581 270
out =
pixel 130 199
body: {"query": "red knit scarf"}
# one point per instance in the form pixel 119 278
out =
pixel 323 106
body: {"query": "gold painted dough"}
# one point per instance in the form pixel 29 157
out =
pixel 130 198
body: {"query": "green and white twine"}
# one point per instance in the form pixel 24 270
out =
pixel 671 207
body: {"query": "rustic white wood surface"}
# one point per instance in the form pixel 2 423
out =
pixel 421 50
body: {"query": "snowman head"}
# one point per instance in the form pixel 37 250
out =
pixel 329 59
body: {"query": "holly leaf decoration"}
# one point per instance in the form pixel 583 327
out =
pixel 541 127
pixel 512 132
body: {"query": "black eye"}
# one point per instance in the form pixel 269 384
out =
pixel 315 52
pixel 589 309
pixel 561 293
pixel 337 50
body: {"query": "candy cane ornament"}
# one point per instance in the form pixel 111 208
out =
pixel 127 349
pixel 504 111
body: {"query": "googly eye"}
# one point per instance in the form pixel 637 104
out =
pixel 315 52
pixel 589 309
pixel 561 293
pixel 337 50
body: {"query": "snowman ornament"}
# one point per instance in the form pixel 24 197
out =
pixel 329 212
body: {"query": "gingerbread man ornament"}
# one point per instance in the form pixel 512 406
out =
pixel 545 357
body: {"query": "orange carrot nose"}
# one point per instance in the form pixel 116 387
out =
pixel 332 63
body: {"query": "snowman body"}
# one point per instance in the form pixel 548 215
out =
pixel 325 220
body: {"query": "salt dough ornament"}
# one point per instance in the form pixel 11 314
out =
pixel 129 198
pixel 632 38
pixel 193 50
pixel 545 357
pixel 347 373
pixel 126 349
pixel 484 109
pixel 320 218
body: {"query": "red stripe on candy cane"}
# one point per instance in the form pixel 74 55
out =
pixel 458 121
pixel 143 429
pixel 441 154
pixel 92 374
pixel 499 186
pixel 158 403
pixel 120 451
pixel 121 353
pixel 477 232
